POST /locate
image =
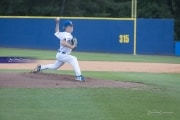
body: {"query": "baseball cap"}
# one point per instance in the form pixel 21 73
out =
pixel 68 23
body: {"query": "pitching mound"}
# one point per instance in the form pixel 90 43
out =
pixel 47 80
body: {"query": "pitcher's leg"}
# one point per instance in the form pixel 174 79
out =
pixel 54 66
pixel 73 61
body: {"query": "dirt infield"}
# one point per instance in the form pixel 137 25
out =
pixel 106 66
pixel 45 80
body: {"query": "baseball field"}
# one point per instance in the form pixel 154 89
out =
pixel 118 87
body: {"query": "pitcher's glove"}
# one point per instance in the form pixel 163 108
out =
pixel 74 42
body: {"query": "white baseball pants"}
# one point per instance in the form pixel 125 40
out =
pixel 61 59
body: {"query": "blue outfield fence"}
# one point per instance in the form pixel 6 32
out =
pixel 103 35
pixel 154 36
pixel 28 33
pixel 177 49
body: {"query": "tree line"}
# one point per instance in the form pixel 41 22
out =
pixel 94 8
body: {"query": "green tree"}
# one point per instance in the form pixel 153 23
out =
pixel 175 7
pixel 154 9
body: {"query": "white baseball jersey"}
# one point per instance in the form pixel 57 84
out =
pixel 67 37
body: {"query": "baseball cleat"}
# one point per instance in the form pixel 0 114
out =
pixel 37 69
pixel 80 78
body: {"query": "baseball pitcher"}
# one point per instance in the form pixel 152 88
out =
pixel 67 44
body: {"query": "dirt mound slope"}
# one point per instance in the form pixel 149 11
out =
pixel 49 80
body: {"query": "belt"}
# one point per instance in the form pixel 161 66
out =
pixel 61 52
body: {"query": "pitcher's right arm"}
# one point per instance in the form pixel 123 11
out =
pixel 57 20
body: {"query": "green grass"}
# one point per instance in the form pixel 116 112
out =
pixel 95 103
pixel 84 56
pixel 98 103
pixel 86 104
pixel 161 80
